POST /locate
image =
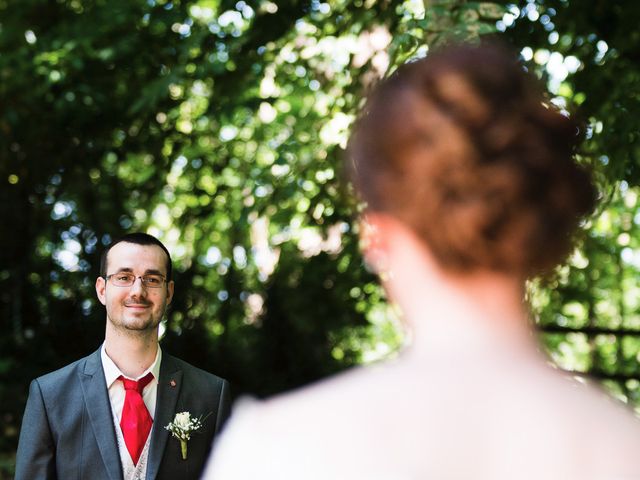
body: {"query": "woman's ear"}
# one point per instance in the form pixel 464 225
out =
pixel 374 240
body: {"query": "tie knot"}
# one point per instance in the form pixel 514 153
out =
pixel 137 385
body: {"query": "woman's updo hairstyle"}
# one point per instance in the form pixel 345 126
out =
pixel 463 148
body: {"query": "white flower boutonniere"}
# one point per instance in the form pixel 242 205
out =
pixel 182 427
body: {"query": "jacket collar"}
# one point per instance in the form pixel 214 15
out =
pixel 98 407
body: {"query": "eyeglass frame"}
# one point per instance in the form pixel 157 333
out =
pixel 135 277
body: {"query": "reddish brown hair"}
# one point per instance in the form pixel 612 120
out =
pixel 462 147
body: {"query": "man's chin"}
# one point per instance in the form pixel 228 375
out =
pixel 140 325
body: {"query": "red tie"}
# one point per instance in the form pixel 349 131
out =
pixel 136 421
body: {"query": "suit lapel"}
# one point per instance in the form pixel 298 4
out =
pixel 98 406
pixel 169 386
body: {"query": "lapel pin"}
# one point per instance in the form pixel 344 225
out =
pixel 172 383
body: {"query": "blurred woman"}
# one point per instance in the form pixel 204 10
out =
pixel 470 188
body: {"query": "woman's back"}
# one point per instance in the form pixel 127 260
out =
pixel 481 410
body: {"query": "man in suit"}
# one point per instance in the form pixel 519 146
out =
pixel 104 416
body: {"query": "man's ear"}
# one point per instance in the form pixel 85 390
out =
pixel 101 285
pixel 170 287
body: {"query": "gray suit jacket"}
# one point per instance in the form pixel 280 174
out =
pixel 68 432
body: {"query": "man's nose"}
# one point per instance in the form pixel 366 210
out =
pixel 138 286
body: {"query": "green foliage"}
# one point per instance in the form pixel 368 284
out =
pixel 587 56
pixel 604 41
pixel 220 126
pixel 592 303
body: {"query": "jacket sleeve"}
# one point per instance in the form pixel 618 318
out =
pixel 36 453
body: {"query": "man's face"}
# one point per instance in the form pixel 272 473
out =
pixel 135 308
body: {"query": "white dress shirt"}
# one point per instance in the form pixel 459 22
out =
pixel 116 398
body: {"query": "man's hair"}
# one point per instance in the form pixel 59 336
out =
pixel 138 238
pixel 464 149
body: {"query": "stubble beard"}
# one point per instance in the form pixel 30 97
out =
pixel 133 325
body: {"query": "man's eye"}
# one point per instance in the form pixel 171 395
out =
pixel 153 280
pixel 123 278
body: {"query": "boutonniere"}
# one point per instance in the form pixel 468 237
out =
pixel 182 427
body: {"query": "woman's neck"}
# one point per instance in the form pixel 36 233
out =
pixel 433 299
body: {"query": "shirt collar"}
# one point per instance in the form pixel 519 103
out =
pixel 112 372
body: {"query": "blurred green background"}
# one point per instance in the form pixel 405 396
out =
pixel 220 126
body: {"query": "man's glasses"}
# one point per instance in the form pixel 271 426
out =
pixel 124 279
